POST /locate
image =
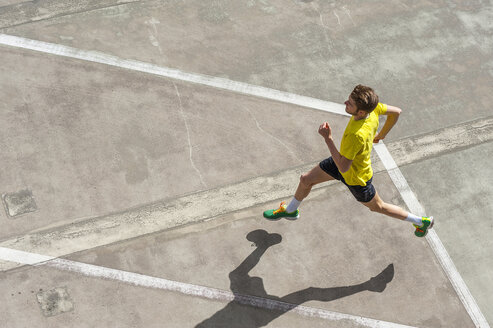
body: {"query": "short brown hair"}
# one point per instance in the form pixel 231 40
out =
pixel 365 98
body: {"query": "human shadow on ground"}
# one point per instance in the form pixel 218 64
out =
pixel 254 307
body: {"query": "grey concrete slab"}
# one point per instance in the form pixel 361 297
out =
pixel 462 194
pixel 433 59
pixel 336 245
pixel 103 303
pixel 89 140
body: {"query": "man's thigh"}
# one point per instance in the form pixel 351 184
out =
pixel 316 175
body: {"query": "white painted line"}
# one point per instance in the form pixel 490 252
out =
pixel 216 82
pixel 12 255
pixel 432 238
pixel 137 279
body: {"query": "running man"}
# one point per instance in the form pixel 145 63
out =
pixel 352 164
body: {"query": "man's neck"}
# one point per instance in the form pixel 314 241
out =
pixel 358 116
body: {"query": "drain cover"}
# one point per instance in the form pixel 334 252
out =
pixel 18 203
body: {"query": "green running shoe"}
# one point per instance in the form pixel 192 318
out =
pixel 281 213
pixel 427 224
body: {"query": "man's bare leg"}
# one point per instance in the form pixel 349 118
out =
pixel 307 180
pixel 379 206
pixel 422 224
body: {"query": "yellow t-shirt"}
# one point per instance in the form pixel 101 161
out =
pixel 356 145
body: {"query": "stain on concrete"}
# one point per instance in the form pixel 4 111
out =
pixel 55 301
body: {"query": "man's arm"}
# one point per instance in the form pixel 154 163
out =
pixel 342 163
pixel 392 117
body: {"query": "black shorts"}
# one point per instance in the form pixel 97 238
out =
pixel 361 193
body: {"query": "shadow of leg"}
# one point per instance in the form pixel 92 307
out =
pixel 240 281
pixel 379 283
pixel 375 284
pixel 240 313
pixel 254 307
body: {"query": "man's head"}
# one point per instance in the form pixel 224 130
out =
pixel 362 98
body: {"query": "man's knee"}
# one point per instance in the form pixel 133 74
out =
pixel 376 206
pixel 305 180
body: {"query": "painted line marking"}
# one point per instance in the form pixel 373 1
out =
pixel 141 280
pixel 432 238
pixel 216 82
pixel 262 92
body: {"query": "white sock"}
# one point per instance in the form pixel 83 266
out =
pixel 293 206
pixel 414 219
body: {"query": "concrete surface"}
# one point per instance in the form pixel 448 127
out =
pixel 102 152
pixel 336 250
pixel 92 141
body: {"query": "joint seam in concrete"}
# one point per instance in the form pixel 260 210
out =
pixel 15 15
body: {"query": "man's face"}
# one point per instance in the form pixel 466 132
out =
pixel 351 106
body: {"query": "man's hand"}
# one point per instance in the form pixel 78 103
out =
pixel 378 137
pixel 342 163
pixel 325 131
pixel 392 117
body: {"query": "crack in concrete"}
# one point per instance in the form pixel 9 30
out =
pixel 188 137
pixel 273 137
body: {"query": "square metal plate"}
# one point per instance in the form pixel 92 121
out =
pixel 19 203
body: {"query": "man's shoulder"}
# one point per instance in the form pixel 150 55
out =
pixel 381 109
pixel 354 136
pixel 359 133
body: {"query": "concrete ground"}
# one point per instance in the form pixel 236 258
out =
pixel 121 169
